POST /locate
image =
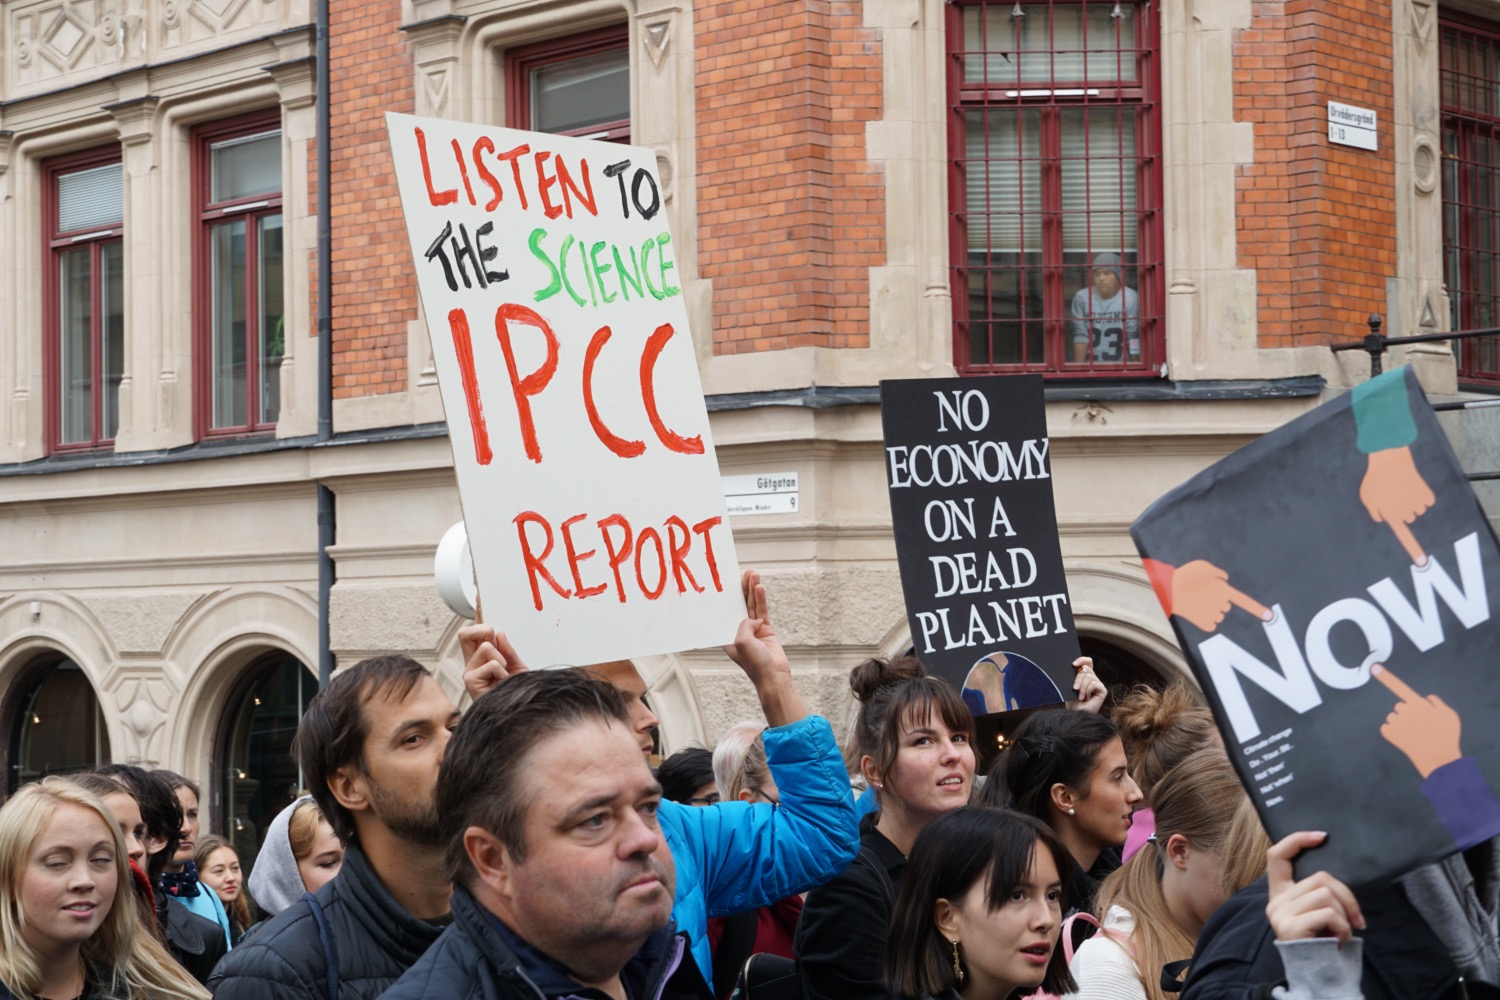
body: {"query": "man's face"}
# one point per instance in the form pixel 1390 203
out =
pixel 597 878
pixel 404 745
pixel 1106 282
pixel 625 679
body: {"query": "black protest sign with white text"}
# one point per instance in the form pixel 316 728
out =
pixel 970 477
pixel 1333 584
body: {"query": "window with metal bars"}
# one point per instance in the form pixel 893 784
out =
pixel 1469 68
pixel 84 205
pixel 1055 187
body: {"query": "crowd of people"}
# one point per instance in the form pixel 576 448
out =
pixel 525 848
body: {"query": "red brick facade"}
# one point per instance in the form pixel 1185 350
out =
pixel 375 287
pixel 1315 220
pixel 791 215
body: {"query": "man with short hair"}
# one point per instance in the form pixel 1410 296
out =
pixel 563 882
pixel 369 746
pixel 734 856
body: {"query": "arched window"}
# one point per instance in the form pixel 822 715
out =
pixel 54 722
pixel 257 776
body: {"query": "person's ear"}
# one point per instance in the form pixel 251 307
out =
pixel 746 795
pixel 492 861
pixel 350 788
pixel 1063 798
pixel 153 845
pixel 870 771
pixel 945 916
pixel 1179 849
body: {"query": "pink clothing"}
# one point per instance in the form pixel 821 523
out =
pixel 1142 825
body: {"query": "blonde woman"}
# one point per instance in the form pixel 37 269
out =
pixel 62 866
pixel 1208 845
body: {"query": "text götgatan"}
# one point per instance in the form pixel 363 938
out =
pixel 982 570
pixel 638 559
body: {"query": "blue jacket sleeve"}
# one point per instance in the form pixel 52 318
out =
pixel 751 856
pixel 1464 802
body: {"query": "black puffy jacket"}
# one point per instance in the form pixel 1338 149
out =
pixel 196 942
pixel 374 937
pixel 477 959
pixel 1236 957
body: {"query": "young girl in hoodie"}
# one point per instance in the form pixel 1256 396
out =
pixel 300 854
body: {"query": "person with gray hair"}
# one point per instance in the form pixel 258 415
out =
pixel 740 768
pixel 1105 319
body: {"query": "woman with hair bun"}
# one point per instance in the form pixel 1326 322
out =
pixel 65 931
pixel 1159 728
pixel 1068 769
pixel 1208 845
pixel 914 742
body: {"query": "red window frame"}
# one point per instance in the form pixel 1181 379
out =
pixel 207 214
pixel 1049 101
pixel 522 61
pixel 54 243
pixel 1470 111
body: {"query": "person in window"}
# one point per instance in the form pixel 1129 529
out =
pixel 1105 317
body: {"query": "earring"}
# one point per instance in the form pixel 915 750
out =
pixel 958 972
pixel 1072 812
pixel 879 785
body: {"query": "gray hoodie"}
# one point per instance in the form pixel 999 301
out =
pixel 275 882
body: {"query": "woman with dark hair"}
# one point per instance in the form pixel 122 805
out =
pixel 1068 769
pixel 196 942
pixel 181 876
pixel 914 738
pixel 687 777
pixel 980 909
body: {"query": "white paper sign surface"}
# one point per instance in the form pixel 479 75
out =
pixel 580 438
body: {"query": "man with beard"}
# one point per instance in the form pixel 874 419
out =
pixel 562 879
pixel 369 746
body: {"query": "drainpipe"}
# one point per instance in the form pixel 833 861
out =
pixel 326 524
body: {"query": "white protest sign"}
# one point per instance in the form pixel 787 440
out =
pixel 580 438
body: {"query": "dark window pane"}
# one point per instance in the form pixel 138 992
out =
pixel 245 167
pixel 590 90
pixel 227 273
pixel 112 331
pixel 76 368
pixel 272 346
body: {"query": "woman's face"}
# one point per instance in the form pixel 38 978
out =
pixel 69 880
pixel 127 813
pixel 933 772
pixel 323 861
pixel 221 871
pixel 1008 948
pixel 189 832
pixel 1102 810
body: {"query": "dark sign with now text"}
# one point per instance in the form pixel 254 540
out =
pixel 1333 587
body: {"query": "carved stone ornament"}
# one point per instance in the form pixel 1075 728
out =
pixel 1421 22
pixel 171 13
pixel 1424 161
pixel 658 38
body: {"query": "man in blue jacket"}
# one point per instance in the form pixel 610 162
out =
pixel 562 879
pixel 734 856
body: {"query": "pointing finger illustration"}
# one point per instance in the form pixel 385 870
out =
pixel 1245 602
pixel 1409 542
pixel 1397 686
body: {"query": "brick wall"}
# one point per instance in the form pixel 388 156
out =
pixel 791 215
pixel 1316 221
pixel 374 289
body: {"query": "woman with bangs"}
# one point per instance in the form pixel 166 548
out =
pixel 914 737
pixel 980 910
pixel 63 864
